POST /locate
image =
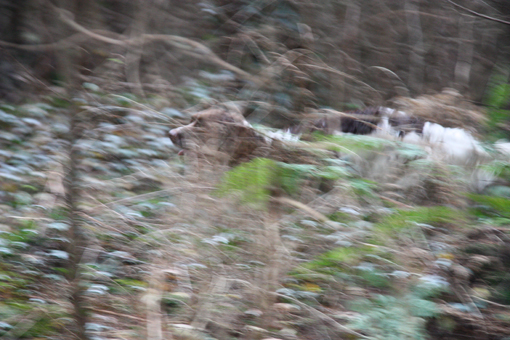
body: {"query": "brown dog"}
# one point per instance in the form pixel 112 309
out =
pixel 220 133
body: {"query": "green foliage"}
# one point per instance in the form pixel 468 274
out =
pixel 363 187
pixel 387 317
pixel 16 309
pixel 374 278
pixel 339 216
pixel 410 151
pixel 497 98
pixel 59 214
pixel 338 257
pixel 499 168
pixel 353 143
pixel 333 172
pixel 60 102
pixel 403 219
pixel 18 239
pixel 127 285
pixel 125 99
pixel 356 265
pixel 340 262
pixel 258 179
pixel 491 206
pixel 253 180
pixel 43 319
pixel 288 176
pixel 499 92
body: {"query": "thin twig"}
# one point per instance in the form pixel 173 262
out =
pixel 479 14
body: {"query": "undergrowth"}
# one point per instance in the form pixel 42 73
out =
pixel 387 317
pixel 437 216
pixel 497 100
pixel 261 178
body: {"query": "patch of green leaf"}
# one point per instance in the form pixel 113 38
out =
pixel 498 93
pixel 333 172
pixel 411 151
pixel 388 317
pixel 255 181
pixel 60 102
pixel 43 319
pixel 125 99
pixel 375 278
pixel 116 60
pixel 341 217
pixel 363 187
pixel 252 180
pixel 30 188
pixel 173 300
pixel 127 286
pixel 503 293
pixel 338 259
pixel 353 143
pixel 288 176
pixel 61 270
pixel 404 219
pixel 497 97
pixel 491 206
pixel 131 282
pixel 58 214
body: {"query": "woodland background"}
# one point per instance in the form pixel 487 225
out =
pixel 332 53
pixel 106 234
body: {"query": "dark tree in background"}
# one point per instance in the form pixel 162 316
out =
pixel 295 54
pixel 11 16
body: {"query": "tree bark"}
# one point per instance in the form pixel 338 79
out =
pixel 134 53
pixel 415 37
pixel 465 53
pixel 351 36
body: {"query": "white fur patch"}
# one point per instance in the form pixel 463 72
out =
pixel 282 135
pixel 503 147
pixel 453 144
pixel 270 134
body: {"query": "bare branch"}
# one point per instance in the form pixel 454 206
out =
pixel 479 14
pixel 187 46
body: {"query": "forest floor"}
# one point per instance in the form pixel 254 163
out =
pixel 347 253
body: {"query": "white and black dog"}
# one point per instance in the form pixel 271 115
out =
pixel 220 131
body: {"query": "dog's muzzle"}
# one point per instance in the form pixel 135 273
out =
pixel 176 136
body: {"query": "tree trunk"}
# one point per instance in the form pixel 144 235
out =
pixel 134 54
pixel 415 35
pixel 465 53
pixel 351 36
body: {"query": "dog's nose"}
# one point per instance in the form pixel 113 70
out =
pixel 176 137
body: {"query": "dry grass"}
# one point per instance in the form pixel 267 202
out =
pixel 447 108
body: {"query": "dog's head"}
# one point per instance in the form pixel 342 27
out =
pixel 220 133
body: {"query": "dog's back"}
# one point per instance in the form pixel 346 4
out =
pixel 220 133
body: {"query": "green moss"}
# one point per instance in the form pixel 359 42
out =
pixel 404 219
